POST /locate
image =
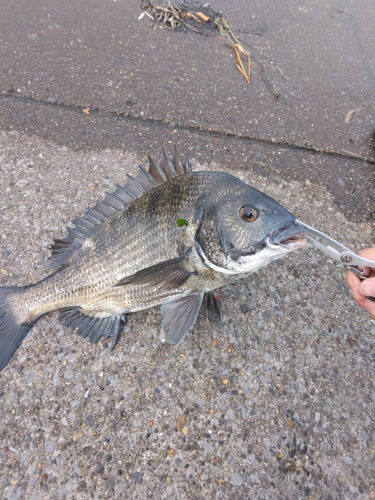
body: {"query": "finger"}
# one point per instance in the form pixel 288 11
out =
pixel 369 253
pixel 368 305
pixel 367 288
pixel 361 298
pixel 354 284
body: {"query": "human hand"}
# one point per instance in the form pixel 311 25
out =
pixel 362 289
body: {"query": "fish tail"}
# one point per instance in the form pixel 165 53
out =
pixel 13 324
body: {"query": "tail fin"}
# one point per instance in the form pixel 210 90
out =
pixel 12 333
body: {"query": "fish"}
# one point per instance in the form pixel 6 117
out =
pixel 169 237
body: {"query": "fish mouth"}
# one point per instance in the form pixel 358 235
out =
pixel 289 237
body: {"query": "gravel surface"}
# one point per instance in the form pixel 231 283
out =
pixel 277 401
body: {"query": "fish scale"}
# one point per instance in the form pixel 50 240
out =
pixel 128 254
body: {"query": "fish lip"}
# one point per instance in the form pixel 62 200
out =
pixel 289 237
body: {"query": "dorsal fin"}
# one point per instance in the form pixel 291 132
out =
pixel 176 161
pixel 167 165
pixel 115 202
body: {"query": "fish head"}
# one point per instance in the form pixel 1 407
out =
pixel 244 229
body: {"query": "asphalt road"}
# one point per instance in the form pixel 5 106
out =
pixel 278 400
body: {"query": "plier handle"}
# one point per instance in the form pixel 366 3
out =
pixel 353 262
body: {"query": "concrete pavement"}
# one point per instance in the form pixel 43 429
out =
pixel 278 400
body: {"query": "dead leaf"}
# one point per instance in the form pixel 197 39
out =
pixel 171 452
pixel 185 430
pixel 290 423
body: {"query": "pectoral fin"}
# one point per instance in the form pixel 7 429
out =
pixel 166 275
pixel 179 316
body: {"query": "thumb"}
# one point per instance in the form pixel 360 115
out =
pixel 367 287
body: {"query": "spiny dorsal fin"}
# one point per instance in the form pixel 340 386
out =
pixel 167 165
pixel 187 164
pixel 115 202
pixel 176 162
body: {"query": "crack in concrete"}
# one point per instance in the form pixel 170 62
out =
pixel 175 126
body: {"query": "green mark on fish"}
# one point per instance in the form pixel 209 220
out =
pixel 182 222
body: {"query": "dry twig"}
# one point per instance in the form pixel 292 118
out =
pixel 200 19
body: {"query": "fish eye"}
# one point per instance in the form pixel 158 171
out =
pixel 248 213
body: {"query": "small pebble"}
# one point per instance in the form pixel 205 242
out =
pixel 49 446
pixel 69 374
pixel 29 376
pixel 229 415
pixel 99 469
pixel 180 422
pixel 109 483
pixel 237 479
pixel 77 436
pixel 136 478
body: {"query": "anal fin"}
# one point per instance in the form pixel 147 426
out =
pixel 179 316
pixel 93 327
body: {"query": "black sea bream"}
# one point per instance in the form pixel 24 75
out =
pixel 169 237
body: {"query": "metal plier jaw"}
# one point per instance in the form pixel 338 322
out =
pixel 353 262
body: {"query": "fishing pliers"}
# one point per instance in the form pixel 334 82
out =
pixel 353 262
